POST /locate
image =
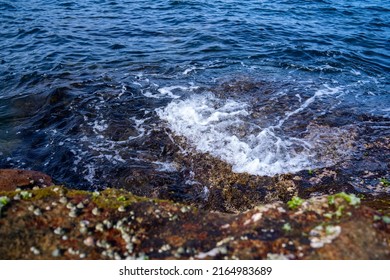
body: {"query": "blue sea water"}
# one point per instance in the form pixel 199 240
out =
pixel 85 84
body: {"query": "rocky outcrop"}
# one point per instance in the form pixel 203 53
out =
pixel 59 223
pixel 10 179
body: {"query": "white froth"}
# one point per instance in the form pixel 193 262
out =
pixel 188 70
pixel 168 92
pixel 213 126
pixel 99 126
pixel 165 166
pixel 318 94
pixel 90 173
pixel 123 91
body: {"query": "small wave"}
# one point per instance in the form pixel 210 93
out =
pixel 169 92
pixel 224 129
pixel 318 94
pixel 7 7
pixel 117 46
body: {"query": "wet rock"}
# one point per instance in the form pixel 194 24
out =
pixel 10 179
pixel 209 183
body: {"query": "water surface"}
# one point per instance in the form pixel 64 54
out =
pixel 267 86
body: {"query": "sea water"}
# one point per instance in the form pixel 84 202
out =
pixel 266 86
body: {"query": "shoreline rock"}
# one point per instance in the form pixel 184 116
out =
pixel 60 223
pixel 10 179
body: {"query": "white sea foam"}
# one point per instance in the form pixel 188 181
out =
pixel 168 92
pixel 318 94
pixel 188 70
pixel 99 126
pixel 165 166
pixel 90 173
pixel 139 126
pixel 96 148
pixel 213 126
pixel 123 91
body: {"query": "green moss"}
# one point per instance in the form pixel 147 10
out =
pixel 95 194
pixel 25 194
pixel 43 193
pixel 350 198
pixel 8 193
pixel 330 230
pixel 377 218
pixel 339 211
pixel 33 194
pixel 386 219
pixel 385 182
pixel 75 193
pixel 328 215
pixel 4 200
pixel 114 198
pixel 286 227
pixel 331 200
pixel 336 201
pixel 295 202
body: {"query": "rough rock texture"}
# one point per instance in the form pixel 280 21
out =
pixel 58 223
pixel 206 182
pixel 11 179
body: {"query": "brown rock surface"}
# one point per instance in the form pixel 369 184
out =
pixel 58 223
pixel 10 179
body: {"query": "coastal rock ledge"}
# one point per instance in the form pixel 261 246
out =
pixel 55 222
pixel 10 179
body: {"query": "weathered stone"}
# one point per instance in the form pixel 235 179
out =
pixel 10 179
pixel 325 227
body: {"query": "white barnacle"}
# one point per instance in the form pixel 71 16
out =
pixel 34 250
pixel 89 241
pixel 70 205
pixel 37 212
pixel 96 211
pixel 59 231
pixel 319 236
pixel 107 223
pixel 99 227
pixel 72 213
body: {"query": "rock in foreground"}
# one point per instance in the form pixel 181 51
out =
pixel 58 223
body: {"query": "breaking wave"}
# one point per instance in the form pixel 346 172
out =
pixel 226 130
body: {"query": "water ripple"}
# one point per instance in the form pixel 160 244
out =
pixel 80 81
